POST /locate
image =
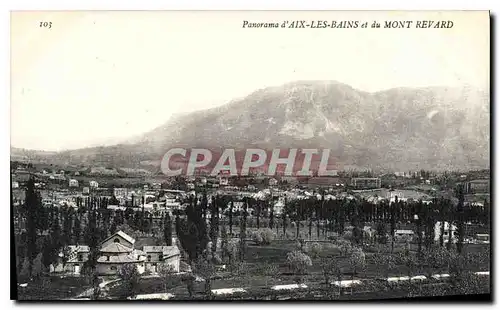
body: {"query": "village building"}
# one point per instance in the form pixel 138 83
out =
pixel 403 235
pixel 116 251
pixel 73 183
pixel 483 238
pixel 366 183
pixel 477 186
pixel 446 234
pixel 273 182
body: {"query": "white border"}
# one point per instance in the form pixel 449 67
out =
pixel 7 6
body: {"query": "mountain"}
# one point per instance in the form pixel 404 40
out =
pixel 397 129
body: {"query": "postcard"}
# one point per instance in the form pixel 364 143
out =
pixel 250 155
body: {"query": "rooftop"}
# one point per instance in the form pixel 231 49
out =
pixel 119 259
pixel 165 250
pixel 121 234
pixel 116 248
pixel 79 248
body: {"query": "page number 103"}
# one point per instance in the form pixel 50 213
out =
pixel 46 25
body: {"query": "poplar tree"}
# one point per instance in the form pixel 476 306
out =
pixel 167 229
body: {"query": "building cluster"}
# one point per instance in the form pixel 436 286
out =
pixel 116 251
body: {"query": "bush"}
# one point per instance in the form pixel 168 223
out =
pixel 314 249
pixel 298 262
pixel 24 274
pixel 216 259
pixel 267 235
pixel 348 235
pixel 344 246
pixel 256 237
pixel 231 250
pixel 262 236
pixel 130 277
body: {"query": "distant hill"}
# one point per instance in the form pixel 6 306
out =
pixel 398 129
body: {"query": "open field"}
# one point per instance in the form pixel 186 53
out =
pixel 53 288
pixel 256 271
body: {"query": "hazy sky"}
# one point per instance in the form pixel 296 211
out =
pixel 99 77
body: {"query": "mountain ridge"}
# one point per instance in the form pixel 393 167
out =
pixel 400 128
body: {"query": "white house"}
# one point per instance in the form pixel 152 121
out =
pixel 273 182
pixel 446 237
pixel 278 206
pixel 403 235
pixel 73 183
pixel 118 250
pixel 94 184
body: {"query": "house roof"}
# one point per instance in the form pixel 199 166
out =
pixel 116 248
pixel 79 248
pixel 480 181
pixel 166 250
pixel 123 259
pixel 144 241
pixel 404 231
pixel 121 234
pixel 139 252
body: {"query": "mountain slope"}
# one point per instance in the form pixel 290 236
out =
pixel 398 129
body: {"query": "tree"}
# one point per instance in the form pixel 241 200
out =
pixel 393 221
pixel 113 228
pixel 262 236
pixel 55 233
pixel 310 225
pixel 67 227
pixel 442 212
pixel 285 210
pixel 214 225
pixel 207 270
pixel 231 207
pixel 271 215
pixel 224 241
pixel 33 209
pixel 243 231
pixel 167 230
pixel 113 201
pixel 25 272
pixel 258 211
pixel 460 218
pixel 386 262
pixel 92 237
pixel 93 280
pixel 314 249
pixel 166 271
pixel 298 263
pixel 130 277
pixel 408 259
pixel 381 233
pixel 192 233
pixel 49 252
pixel 344 246
pixel 317 213
pixel 357 260
pixel 331 267
pixel 230 251
pixel 37 270
pixel 77 230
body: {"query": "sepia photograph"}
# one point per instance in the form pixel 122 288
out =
pixel 250 155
